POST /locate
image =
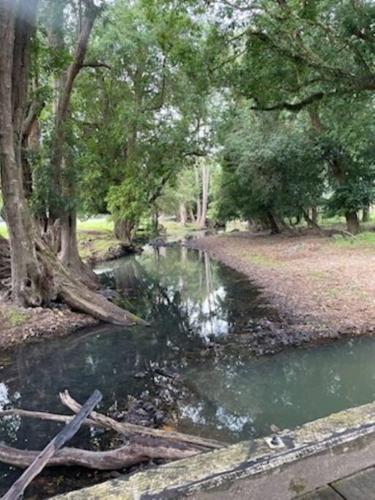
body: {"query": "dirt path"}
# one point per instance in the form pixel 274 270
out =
pixel 310 279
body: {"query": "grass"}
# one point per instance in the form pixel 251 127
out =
pixel 362 240
pixel 13 317
pixel 101 224
pixel 260 260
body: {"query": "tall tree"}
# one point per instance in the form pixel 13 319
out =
pixel 37 275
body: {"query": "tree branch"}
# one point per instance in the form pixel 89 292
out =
pixel 95 64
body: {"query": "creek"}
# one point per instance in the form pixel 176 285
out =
pixel 195 307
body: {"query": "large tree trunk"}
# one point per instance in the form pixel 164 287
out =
pixel 15 34
pixel 273 224
pixel 123 230
pixel 352 222
pixel 69 255
pixel 37 276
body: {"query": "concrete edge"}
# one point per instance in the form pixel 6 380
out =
pixel 247 460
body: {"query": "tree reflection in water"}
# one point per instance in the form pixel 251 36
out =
pixel 188 300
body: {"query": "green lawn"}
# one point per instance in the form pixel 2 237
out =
pixel 365 239
pixel 100 224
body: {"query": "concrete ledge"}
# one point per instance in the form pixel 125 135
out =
pixel 277 467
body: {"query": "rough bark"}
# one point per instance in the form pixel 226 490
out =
pixel 119 458
pixel 5 270
pixel 69 255
pixel 123 230
pixel 37 275
pixel 16 28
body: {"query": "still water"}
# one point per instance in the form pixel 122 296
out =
pixel 189 301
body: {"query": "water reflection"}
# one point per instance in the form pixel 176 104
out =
pixel 227 395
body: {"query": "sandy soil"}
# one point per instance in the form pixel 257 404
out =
pixel 308 278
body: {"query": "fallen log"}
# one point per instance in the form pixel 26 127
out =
pixel 137 452
pixel 125 428
pixel 42 458
pixel 105 422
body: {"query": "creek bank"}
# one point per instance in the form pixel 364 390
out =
pixel 320 291
pixel 21 326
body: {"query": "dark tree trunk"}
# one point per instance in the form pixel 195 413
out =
pixel 273 224
pixel 315 215
pixel 352 222
pixel 124 231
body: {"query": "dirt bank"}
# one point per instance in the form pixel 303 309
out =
pixel 18 326
pixel 314 282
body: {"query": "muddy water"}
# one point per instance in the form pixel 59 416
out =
pixel 191 303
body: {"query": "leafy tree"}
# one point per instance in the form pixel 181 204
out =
pixel 142 129
pixel 272 169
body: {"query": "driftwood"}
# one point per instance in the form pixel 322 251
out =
pixel 41 459
pixel 133 453
pixel 99 420
pixel 143 444
pixel 125 428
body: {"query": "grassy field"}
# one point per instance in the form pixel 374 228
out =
pixel 96 234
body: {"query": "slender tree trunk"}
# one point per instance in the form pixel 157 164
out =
pixel 315 214
pixel 191 215
pixel 199 206
pixel 366 214
pixel 183 214
pixel 205 187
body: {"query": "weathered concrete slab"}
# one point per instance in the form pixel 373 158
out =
pixel 305 459
pixel 325 493
pixel 360 486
